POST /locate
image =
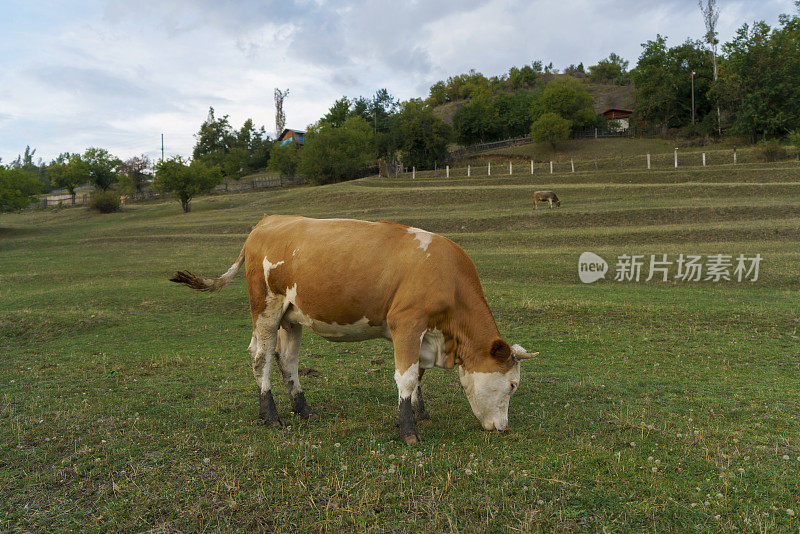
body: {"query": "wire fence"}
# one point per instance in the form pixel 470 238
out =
pixel 229 186
pixel 675 160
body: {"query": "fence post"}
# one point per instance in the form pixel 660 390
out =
pixel 734 154
pixel 595 132
pixel 531 166
pixel 447 170
pixel 489 169
pixel 510 168
pixel 572 163
pixel 648 162
pixel 468 171
pixel 596 166
pixel 551 166
pixel 413 173
pixel 676 157
pixel 704 159
pixel 620 162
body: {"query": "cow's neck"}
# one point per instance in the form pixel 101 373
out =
pixel 474 331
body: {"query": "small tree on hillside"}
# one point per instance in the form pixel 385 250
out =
pixel 550 128
pixel 283 159
pixel 68 171
pixel 335 154
pixel 135 171
pixel 568 98
pixel 101 167
pixel 420 135
pixel 18 188
pixel 186 181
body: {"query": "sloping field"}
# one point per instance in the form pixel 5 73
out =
pixel 128 403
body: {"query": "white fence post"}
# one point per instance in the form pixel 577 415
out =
pixel 704 159
pixel 572 163
pixel 489 169
pixel 413 173
pixel 468 171
pixel 531 166
pixel 447 169
pixel 551 166
pixel 734 155
pixel 676 158
pixel 510 168
pixel 648 162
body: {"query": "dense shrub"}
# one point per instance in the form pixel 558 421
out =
pixel 105 201
pixel 772 150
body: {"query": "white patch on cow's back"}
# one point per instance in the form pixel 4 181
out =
pixel 422 236
pixel 431 349
pixel 268 266
pixel 359 331
pixel 407 382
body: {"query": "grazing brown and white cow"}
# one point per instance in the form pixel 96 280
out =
pixel 545 196
pixel 349 280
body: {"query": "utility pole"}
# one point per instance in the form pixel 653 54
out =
pixel 162 148
pixel 692 97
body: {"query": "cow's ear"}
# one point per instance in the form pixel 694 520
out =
pixel 500 350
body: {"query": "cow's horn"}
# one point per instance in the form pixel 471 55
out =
pixel 521 354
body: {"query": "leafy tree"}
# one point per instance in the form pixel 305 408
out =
pixel 101 167
pixel 663 78
pixel 68 171
pixel 421 136
pixel 511 113
pixel 550 128
pixel 236 153
pixel 186 181
pixel 475 122
pixel 437 95
pixel 611 70
pixel 213 140
pixel 135 172
pixel 759 79
pixel 18 187
pixel 338 112
pixel 335 154
pixel 568 98
pixel 284 158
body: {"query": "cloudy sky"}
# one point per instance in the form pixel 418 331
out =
pixel 118 73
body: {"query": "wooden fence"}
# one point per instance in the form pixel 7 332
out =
pixel 64 200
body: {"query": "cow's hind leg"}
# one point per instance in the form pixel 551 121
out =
pixel 288 356
pixel 418 404
pixel 263 346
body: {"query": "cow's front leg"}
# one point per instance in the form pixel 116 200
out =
pixel 418 404
pixel 265 341
pixel 406 375
pixel 288 356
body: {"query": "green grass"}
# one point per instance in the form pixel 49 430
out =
pixel 127 403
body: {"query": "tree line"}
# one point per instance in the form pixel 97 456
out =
pixel 749 86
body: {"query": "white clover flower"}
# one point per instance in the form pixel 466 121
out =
pixel 790 512
pixel 206 460
pixel 540 502
pixel 719 496
pixel 391 456
pixel 654 469
pixel 337 444
pixel 468 472
pixel 785 456
pixel 649 458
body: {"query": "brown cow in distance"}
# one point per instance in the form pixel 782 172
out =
pixel 349 280
pixel 545 196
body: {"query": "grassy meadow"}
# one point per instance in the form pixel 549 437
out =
pixel 128 403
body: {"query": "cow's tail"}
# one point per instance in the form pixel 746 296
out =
pixel 208 284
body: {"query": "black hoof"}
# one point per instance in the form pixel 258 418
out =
pixel 267 410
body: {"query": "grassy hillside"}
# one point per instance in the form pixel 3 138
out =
pixel 128 403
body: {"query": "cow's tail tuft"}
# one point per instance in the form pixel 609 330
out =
pixel 208 284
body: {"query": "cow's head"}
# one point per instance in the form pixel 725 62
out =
pixel 490 389
pixel 558 203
